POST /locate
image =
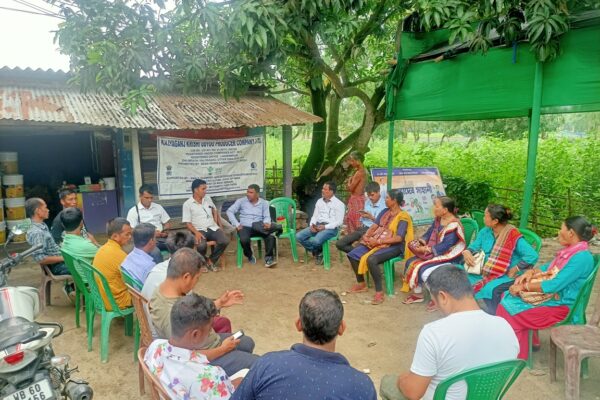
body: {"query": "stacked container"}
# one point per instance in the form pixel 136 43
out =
pixel 13 204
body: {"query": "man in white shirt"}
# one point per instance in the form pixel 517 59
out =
pixel 202 219
pixel 153 213
pixel 325 222
pixel 466 338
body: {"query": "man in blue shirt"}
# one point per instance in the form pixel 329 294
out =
pixel 254 220
pixel 373 206
pixel 311 370
pixel 139 262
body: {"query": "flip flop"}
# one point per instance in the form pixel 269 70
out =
pixel 357 288
pixel 412 299
pixel 432 307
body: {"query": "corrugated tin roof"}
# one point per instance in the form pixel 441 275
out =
pixel 165 112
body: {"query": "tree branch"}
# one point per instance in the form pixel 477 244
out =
pixel 361 35
pixel 377 78
pixel 289 90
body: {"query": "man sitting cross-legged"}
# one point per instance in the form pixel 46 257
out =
pixel 179 363
pixel 466 338
pixel 311 370
pixel 158 274
pixel 182 275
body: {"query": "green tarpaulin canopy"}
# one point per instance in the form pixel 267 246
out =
pixel 503 83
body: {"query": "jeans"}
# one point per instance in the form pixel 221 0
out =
pixel 312 241
pixel 345 243
pixel 248 232
pixel 156 255
pixel 217 236
pixel 239 358
pixel 59 269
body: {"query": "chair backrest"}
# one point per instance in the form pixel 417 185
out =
pixel 490 381
pixel 595 320
pixel 99 286
pixel 130 280
pixel 532 238
pixel 158 391
pixel 576 314
pixel 76 273
pixel 477 215
pixel 283 206
pixel 471 228
pixel 140 303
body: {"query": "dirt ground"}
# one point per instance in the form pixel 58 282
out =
pixel 379 338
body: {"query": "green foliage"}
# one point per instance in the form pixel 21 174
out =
pixel 469 195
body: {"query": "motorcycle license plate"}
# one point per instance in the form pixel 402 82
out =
pixel 38 391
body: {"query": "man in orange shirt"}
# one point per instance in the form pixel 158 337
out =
pixel 109 258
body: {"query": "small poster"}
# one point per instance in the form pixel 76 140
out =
pixel 420 187
pixel 227 165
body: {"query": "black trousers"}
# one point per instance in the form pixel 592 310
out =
pixel 374 263
pixel 492 304
pixel 247 232
pixel 345 243
pixel 221 240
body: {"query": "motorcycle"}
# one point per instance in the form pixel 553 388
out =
pixel 29 369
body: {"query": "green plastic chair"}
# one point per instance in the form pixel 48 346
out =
pixel 487 382
pixel 326 252
pixel 477 215
pixel 96 280
pixel 130 280
pixel 471 229
pixel 389 274
pixel 532 238
pixel 81 288
pixel 240 251
pixel 282 206
pixel 576 314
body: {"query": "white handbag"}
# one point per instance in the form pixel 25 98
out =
pixel 478 264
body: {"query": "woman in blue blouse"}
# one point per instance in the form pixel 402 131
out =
pixel 542 297
pixel 506 253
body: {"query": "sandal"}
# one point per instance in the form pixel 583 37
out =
pixel 432 307
pixel 413 299
pixel 377 299
pixel 358 288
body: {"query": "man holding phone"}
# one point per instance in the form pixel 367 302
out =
pixel 373 206
pixel 327 218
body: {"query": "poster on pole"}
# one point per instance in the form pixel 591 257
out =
pixel 420 187
pixel 227 165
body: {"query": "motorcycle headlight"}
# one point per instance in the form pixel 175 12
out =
pixel 60 361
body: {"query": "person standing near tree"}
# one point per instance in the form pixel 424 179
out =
pixel 356 187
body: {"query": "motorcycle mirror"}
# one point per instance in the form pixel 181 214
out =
pixel 16 230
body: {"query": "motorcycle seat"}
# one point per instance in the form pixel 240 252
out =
pixel 17 330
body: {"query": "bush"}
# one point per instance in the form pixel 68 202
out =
pixel 468 195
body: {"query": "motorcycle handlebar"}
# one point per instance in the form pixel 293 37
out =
pixel 12 261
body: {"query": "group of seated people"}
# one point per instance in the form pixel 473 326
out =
pixel 490 288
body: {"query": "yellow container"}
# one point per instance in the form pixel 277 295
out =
pixel 1 210
pixel 18 238
pixel 13 186
pixel 15 209
pixel 9 162
pixel 2 232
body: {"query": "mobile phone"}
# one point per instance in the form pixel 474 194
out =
pixel 238 334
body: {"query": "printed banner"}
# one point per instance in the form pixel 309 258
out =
pixel 227 165
pixel 420 187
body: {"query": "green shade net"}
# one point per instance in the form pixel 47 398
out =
pixel 498 84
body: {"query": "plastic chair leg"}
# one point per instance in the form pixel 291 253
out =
pixel 388 272
pixel 326 256
pixel 530 355
pixel 136 339
pixel 294 249
pixel 129 325
pixel 239 252
pixel 259 245
pixel 104 335
pixel 77 306
pixel 90 328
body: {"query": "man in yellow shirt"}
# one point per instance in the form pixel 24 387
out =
pixel 109 258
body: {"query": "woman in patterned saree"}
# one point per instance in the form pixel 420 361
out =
pixel 443 243
pixel 504 253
